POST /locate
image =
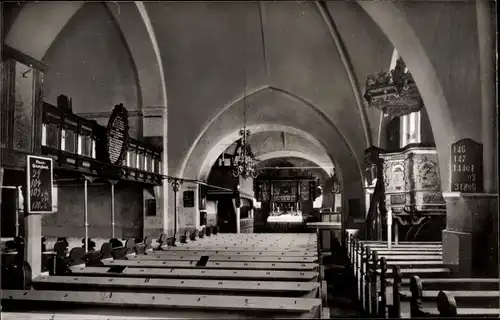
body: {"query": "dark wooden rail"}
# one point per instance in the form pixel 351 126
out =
pixel 79 144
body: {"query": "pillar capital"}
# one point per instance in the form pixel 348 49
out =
pixel 154 111
pixel 153 120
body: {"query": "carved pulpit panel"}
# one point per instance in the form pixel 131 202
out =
pixel 412 183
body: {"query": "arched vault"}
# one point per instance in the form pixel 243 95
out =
pixel 288 114
pixel 321 163
pixel 132 18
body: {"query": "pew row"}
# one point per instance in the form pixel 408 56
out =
pixel 232 252
pixel 270 307
pixel 215 257
pixel 240 274
pixel 462 297
pixel 200 286
pixel 211 265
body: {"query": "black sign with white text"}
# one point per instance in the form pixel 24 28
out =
pixel 467 166
pixel 39 183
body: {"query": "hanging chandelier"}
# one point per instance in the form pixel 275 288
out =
pixel 243 159
pixel 394 93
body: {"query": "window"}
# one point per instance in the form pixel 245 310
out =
pixel 133 159
pixel 85 142
pixel 410 125
pixel 150 206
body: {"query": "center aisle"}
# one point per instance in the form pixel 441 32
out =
pixel 342 296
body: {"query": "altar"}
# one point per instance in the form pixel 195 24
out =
pixel 286 217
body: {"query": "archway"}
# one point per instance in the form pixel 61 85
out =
pixel 393 23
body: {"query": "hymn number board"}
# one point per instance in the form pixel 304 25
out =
pixel 467 166
pixel 39 182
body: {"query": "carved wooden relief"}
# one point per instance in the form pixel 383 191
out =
pixel 425 172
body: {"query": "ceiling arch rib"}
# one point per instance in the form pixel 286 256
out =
pixel 321 163
pixel 322 160
pixel 346 61
pixel 287 112
pixel 270 143
pixel 286 106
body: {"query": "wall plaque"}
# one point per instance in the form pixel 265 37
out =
pixel 467 166
pixel 304 190
pixel 117 135
pixel 40 182
pixel 188 198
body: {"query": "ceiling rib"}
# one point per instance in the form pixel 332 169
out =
pixel 346 61
pixel 262 16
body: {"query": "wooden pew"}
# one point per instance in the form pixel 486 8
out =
pixel 233 287
pixel 272 307
pixel 232 252
pixel 211 265
pixel 215 257
pixel 241 274
pixel 242 248
pixel 371 288
pixel 466 303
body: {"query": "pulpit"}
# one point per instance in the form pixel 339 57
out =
pixel 412 188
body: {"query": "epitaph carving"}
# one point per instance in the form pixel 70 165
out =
pixel 117 135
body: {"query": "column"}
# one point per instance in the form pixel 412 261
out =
pixel 155 128
pixel 153 225
pixel 188 212
pixel 238 219
pixel 486 39
pixel 32 240
pixel 470 240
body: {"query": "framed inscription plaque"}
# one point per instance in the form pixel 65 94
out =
pixel 40 182
pixel 117 135
pixel 467 166
pixel 188 199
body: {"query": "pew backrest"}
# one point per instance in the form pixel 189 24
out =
pixel 106 251
pixel 60 248
pixel 115 243
pixel 77 256
pixel 148 241
pixel 446 304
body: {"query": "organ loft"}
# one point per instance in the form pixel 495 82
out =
pixel 275 159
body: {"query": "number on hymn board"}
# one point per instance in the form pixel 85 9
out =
pixel 39 174
pixel 466 166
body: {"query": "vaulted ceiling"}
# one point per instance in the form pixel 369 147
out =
pixel 294 67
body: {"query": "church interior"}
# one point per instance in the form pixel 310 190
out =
pixel 247 159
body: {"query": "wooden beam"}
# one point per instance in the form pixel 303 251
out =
pixel 9 52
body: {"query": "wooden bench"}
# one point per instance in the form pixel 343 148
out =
pixel 478 302
pixel 192 273
pixel 233 287
pixel 211 265
pixel 213 257
pixel 372 277
pixel 275 307
pixel 218 252
pixel 242 248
